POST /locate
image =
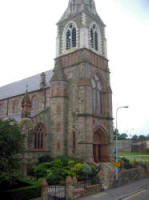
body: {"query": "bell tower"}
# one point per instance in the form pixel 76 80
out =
pixel 82 57
pixel 81 27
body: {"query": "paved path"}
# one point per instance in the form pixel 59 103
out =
pixel 138 190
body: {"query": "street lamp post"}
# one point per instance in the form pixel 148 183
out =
pixel 116 143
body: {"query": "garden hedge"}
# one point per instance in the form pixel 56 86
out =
pixel 24 193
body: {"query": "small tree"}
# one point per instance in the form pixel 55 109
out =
pixel 122 136
pixel 142 138
pixel 11 144
pixel 135 138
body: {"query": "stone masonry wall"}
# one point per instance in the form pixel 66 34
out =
pixel 124 145
pixel 12 107
pixel 79 68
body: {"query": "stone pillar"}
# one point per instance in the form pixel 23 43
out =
pixel 44 190
pixel 106 175
pixel 69 188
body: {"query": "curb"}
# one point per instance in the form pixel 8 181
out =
pixel 130 194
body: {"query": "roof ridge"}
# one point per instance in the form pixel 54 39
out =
pixel 19 87
pixel 25 78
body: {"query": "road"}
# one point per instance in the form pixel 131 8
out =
pixel 138 190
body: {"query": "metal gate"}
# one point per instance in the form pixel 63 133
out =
pixel 57 192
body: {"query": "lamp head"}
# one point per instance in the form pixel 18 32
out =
pixel 126 107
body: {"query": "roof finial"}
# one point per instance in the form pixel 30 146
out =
pixel 26 104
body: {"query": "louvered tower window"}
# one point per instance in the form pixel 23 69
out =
pixel 74 37
pixel 68 42
pixel 94 37
pixel 71 37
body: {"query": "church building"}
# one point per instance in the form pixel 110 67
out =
pixel 67 111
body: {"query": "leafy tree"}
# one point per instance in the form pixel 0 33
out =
pixel 147 137
pixel 11 144
pixel 135 138
pixel 142 138
pixel 122 136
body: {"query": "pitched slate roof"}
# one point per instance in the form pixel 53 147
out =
pixel 19 87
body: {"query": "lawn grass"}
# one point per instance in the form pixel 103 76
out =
pixel 141 157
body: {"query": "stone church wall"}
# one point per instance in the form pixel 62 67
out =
pixel 12 107
pixel 124 145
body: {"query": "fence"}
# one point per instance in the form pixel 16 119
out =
pixel 56 192
pixel 72 190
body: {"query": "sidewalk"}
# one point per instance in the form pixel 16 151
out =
pixel 120 192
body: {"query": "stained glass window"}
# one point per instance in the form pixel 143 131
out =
pixel 39 134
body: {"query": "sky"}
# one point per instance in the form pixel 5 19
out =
pixel 28 46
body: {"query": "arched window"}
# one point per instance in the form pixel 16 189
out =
pixel 70 37
pixel 96 95
pixel 39 137
pixel 34 103
pixel 94 37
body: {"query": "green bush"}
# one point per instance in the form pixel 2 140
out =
pixel 57 170
pixel 45 158
pixel 127 164
pixel 63 159
pixel 84 171
pixel 24 193
pixel 12 182
pixel 40 170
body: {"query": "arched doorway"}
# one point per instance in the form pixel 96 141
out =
pixel 100 146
